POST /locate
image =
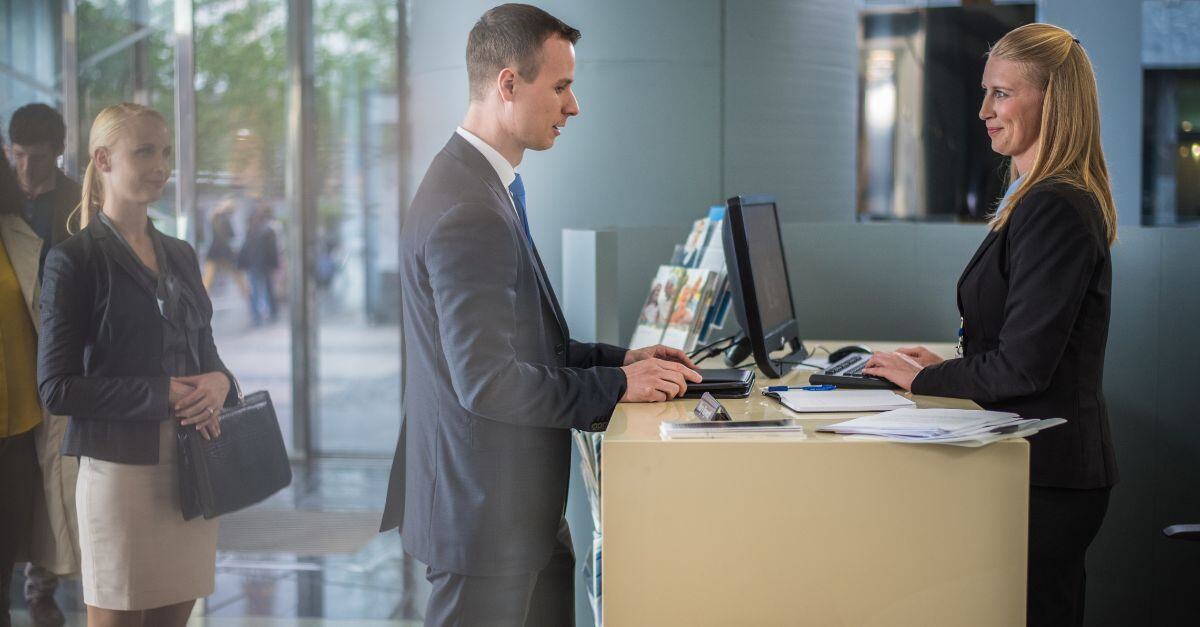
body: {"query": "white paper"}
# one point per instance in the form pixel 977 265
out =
pixel 842 400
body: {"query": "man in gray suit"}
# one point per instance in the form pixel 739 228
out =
pixel 493 382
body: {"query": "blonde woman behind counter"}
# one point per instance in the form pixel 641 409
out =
pixel 126 350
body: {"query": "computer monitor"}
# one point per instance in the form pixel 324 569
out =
pixel 762 296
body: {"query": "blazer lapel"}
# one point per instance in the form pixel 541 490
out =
pixel 24 251
pixel 115 250
pixel 983 247
pixel 462 150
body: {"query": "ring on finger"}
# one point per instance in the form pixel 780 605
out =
pixel 210 412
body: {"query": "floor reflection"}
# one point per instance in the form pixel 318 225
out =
pixel 334 571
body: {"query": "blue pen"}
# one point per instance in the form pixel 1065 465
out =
pixel 807 388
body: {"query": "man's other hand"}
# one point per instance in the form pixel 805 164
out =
pixel 652 379
pixel 658 351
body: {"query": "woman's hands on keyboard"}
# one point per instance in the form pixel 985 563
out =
pixel 920 354
pixel 895 367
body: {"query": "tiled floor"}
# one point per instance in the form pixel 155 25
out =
pixel 375 584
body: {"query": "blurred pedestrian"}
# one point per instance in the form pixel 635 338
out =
pixel 220 258
pixel 259 257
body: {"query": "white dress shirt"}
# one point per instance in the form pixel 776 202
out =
pixel 503 168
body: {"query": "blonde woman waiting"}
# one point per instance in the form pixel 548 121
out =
pixel 126 350
pixel 1035 306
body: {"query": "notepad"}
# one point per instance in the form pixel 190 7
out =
pixel 841 400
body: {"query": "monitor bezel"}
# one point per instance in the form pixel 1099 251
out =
pixel 745 296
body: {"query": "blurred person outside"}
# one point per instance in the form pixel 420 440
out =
pixel 259 258
pixel 221 258
pixel 48 196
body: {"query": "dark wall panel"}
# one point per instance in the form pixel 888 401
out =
pixel 1177 434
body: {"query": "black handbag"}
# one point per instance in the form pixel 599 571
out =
pixel 244 465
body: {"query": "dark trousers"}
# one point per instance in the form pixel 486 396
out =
pixel 542 599
pixel 18 476
pixel 1062 523
pixel 262 296
pixel 39 582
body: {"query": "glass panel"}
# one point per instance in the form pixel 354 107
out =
pixel 29 45
pixel 126 54
pixel 1171 147
pixel 357 256
pixel 241 105
pixel 923 154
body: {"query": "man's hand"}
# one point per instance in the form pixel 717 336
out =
pixel 652 379
pixel 658 351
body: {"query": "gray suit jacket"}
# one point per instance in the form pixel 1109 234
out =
pixel 493 382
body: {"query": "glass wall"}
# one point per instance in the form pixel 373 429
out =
pixel 225 67
pixel 126 53
pixel 358 336
pixel 29 53
pixel 1170 113
pixel 242 213
pixel 919 74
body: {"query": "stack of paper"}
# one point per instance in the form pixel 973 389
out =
pixel 841 400
pixel 945 426
pixel 693 429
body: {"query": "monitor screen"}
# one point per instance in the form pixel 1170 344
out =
pixel 758 278
pixel 766 262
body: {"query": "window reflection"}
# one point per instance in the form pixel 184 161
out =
pixel 242 215
pixel 356 256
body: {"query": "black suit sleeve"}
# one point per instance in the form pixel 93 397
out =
pixel 587 355
pixel 471 257
pixel 1053 251
pixel 66 319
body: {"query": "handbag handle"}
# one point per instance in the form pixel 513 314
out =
pixel 237 387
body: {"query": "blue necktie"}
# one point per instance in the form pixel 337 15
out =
pixel 518 192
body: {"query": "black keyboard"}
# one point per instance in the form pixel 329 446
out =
pixel 847 373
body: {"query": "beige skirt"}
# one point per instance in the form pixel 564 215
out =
pixel 138 552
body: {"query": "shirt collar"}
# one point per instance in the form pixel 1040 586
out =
pixel 1012 187
pixel 503 168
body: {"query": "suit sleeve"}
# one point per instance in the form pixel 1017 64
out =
pixel 471 257
pixel 210 360
pixel 1053 252
pixel 587 355
pixel 66 317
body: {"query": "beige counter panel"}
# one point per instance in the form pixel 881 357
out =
pixel 824 531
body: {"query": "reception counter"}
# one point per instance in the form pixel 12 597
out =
pixel 820 531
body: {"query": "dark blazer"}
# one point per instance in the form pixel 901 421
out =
pixel 493 382
pixel 100 348
pixel 1035 306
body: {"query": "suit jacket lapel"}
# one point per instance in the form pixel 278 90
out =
pixel 983 247
pixel 24 251
pixel 116 251
pixel 462 150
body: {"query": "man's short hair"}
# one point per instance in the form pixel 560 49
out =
pixel 37 123
pixel 510 35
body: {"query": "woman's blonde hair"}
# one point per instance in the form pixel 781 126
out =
pixel 1069 149
pixel 106 128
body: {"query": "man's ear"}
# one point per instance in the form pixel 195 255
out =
pixel 506 83
pixel 101 158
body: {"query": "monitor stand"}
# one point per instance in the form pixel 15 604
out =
pixel 776 368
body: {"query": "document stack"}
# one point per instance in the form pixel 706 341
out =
pixel 961 427
pixel 588 445
pixel 725 429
